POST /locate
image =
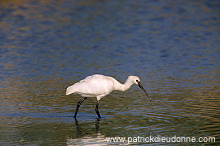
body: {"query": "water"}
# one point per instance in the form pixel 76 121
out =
pixel 45 46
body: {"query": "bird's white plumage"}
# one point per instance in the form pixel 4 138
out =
pixel 99 85
pixel 92 86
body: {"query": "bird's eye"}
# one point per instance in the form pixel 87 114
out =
pixel 137 81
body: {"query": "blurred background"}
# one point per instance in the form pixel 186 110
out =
pixel 47 45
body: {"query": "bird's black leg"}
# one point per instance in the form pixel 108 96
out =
pixel 78 105
pixel 97 109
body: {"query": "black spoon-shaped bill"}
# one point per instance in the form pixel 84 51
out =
pixel 141 86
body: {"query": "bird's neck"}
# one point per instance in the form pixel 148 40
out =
pixel 125 86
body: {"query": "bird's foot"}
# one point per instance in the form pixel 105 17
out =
pixel 76 121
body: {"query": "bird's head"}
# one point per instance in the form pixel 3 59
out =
pixel 136 80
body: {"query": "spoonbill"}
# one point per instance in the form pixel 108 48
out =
pixel 99 86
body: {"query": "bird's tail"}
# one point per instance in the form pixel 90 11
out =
pixel 70 90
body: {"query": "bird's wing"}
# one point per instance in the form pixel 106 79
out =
pixel 92 86
pixel 92 77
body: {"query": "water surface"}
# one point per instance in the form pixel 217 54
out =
pixel 45 46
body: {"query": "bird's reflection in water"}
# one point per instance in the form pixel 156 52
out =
pixel 78 125
pixel 86 138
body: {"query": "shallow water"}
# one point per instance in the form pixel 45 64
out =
pixel 45 46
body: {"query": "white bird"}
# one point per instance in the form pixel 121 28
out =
pixel 99 86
